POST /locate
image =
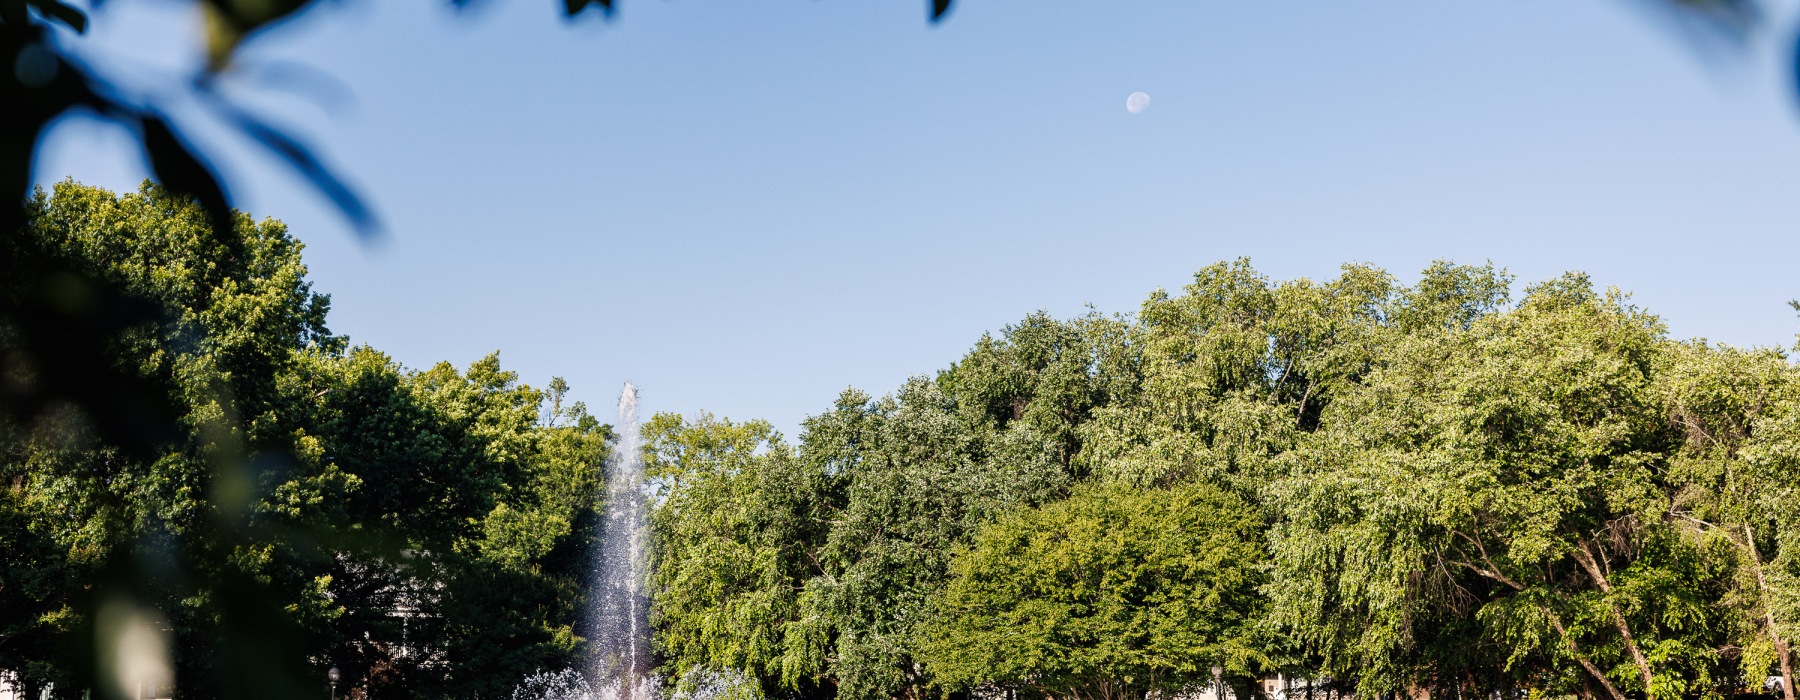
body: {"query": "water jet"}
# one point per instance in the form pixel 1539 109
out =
pixel 619 612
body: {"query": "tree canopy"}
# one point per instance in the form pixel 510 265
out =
pixel 1396 488
pixel 1424 488
pixel 315 504
pixel 1110 594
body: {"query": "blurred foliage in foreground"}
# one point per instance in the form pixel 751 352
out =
pixel 265 498
pixel 1399 489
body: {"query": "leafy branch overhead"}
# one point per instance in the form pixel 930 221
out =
pixel 48 82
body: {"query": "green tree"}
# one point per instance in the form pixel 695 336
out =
pixel 1772 458
pixel 739 529
pixel 1111 594
pixel 810 567
pixel 1236 368
pixel 40 589
pixel 305 504
pixel 158 510
pixel 1493 498
pixel 1035 386
pixel 1728 404
pixel 1215 386
pixel 473 520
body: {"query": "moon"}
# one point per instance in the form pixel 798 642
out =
pixel 1137 102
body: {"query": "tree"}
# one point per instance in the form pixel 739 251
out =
pixel 739 529
pixel 39 594
pixel 1111 594
pixel 1436 491
pixel 1037 384
pixel 152 495
pixel 304 504
pixel 810 567
pixel 1773 460
pixel 1225 382
pixel 1728 404
pixel 821 564
pixel 1493 498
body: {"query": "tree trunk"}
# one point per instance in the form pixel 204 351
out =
pixel 1587 561
pixel 1781 644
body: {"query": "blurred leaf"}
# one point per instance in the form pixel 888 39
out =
pixel 300 157
pixel 1738 17
pixel 1710 26
pixel 307 82
pixel 574 7
pixel 178 168
pixel 74 18
pixel 228 22
pixel 939 8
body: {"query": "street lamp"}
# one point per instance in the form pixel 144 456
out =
pixel 332 675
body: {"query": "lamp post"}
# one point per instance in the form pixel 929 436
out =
pixel 332 675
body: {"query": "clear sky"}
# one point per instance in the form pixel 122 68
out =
pixel 747 207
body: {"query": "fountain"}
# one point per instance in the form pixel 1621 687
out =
pixel 620 610
pixel 618 614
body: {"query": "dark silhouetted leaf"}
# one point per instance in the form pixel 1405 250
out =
pixel 180 169
pixel 301 158
pixel 575 7
pixel 76 19
pixel 13 12
pixel 939 8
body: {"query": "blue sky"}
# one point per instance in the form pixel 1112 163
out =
pixel 747 207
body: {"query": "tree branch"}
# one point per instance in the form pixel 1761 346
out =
pixel 1586 559
pixel 1781 644
pixel 1575 651
pixel 1492 571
